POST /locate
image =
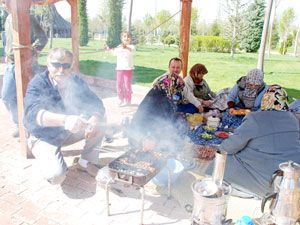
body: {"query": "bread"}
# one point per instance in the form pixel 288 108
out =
pixel 240 112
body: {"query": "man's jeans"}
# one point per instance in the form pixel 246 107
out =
pixel 9 90
pixel 50 158
pixel 9 94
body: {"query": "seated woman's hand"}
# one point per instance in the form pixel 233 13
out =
pixel 207 103
pixel 200 108
pixel 232 111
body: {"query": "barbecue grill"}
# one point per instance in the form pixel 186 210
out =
pixel 137 168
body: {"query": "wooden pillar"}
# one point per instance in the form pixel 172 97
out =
pixel 23 62
pixel 185 25
pixel 261 55
pixel 74 33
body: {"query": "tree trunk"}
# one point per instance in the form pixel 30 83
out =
pixel 233 42
pixel 296 42
pixel 271 28
pixel 129 18
pixel 261 56
pixel 270 33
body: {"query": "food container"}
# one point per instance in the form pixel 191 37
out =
pixel 213 121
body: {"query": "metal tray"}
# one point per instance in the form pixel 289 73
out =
pixel 137 167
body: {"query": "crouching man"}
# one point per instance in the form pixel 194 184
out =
pixel 60 109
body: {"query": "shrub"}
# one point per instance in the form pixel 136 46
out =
pixel 209 44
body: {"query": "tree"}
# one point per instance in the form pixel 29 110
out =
pixel 215 29
pixel 296 41
pixel 103 17
pixel 285 23
pixel 273 27
pixel 3 15
pixel 83 23
pixel 275 35
pixel 235 9
pixel 254 24
pixel 194 21
pixel 164 20
pixel 115 8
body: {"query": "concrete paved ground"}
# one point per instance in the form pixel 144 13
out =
pixel 25 198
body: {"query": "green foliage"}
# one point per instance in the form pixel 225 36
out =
pixel 210 44
pixel 194 20
pixel 3 15
pixel 83 23
pixel 282 48
pixel 275 35
pixel 290 40
pixel 215 29
pixel 254 24
pixel 115 8
pixel 285 22
pixel 233 28
pixel 169 40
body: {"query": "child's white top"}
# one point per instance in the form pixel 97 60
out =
pixel 124 57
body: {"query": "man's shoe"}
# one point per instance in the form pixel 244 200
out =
pixel 108 139
pixel 15 134
pixel 91 169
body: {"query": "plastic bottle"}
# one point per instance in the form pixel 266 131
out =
pixel 245 220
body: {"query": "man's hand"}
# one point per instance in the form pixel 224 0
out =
pixel 75 123
pixel 94 127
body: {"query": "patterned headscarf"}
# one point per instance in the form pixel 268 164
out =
pixel 255 76
pixel 275 98
pixel 170 84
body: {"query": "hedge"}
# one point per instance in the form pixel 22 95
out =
pixel 209 44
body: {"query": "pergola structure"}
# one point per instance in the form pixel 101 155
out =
pixel 22 50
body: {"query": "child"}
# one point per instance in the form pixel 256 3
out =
pixel 124 69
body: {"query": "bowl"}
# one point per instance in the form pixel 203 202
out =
pixel 175 167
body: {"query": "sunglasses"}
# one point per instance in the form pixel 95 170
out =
pixel 57 65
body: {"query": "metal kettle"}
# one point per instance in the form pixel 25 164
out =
pixel 285 204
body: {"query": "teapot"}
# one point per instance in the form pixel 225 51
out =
pixel 285 204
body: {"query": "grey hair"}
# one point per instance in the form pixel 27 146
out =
pixel 59 54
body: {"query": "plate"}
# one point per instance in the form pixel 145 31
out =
pixel 206 136
pixel 222 134
pixel 209 129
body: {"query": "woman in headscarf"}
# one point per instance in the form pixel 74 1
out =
pixel 156 115
pixel 244 97
pixel 196 91
pixel 197 95
pixel 265 139
pixel 248 92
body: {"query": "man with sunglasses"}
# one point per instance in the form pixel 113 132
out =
pixel 60 109
pixel 38 41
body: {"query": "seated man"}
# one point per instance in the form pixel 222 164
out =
pixel 265 139
pixel 60 110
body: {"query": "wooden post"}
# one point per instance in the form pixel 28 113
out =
pixel 261 56
pixel 185 25
pixel 23 62
pixel 74 33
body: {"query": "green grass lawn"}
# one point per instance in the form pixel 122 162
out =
pixel 152 61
